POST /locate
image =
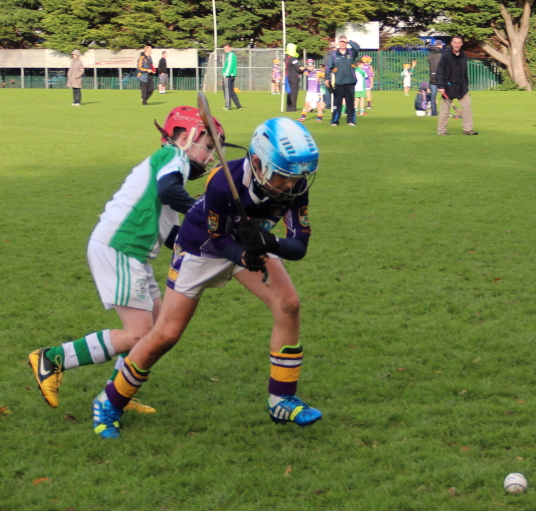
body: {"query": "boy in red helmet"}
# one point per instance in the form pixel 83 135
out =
pixel 139 219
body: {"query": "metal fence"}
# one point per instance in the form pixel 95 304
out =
pixel 254 73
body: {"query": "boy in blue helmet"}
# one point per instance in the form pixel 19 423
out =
pixel 215 244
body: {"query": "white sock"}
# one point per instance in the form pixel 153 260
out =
pixel 274 400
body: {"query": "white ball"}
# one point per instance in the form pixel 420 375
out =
pixel 515 483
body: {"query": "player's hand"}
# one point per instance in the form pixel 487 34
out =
pixel 255 240
pixel 254 263
pixel 441 91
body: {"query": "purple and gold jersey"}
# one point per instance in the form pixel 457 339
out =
pixel 210 225
pixel 276 73
pixel 369 72
pixel 313 83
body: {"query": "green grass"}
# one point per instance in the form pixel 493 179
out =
pixel 418 304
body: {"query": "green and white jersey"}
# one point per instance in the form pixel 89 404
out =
pixel 135 222
pixel 361 76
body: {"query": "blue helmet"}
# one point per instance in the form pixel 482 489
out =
pixel 285 148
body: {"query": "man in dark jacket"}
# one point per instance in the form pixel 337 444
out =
pixel 453 82
pixel 342 63
pixel 293 72
pixel 146 71
pixel 433 60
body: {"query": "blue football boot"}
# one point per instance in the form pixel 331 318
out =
pixel 293 409
pixel 106 417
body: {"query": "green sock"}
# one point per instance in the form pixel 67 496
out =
pixel 94 348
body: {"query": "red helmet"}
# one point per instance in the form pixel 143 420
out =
pixel 188 118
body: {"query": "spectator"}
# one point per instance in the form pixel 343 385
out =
pixel 422 100
pixel 341 63
pixel 360 88
pixel 146 71
pixel 229 75
pixel 453 83
pixel 433 60
pixel 369 71
pixel 406 78
pixel 328 91
pixel 292 76
pixel 276 76
pixel 162 74
pixel 313 97
pixel 74 77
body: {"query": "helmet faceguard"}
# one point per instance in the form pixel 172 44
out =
pixel 188 119
pixel 283 157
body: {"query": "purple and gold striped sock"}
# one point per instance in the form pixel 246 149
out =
pixel 125 385
pixel 285 370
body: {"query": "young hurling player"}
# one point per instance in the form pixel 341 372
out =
pixel 135 224
pixel 216 244
pixel 313 98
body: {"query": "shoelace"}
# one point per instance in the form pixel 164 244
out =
pixel 58 370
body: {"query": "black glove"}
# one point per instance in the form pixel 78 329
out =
pixel 255 240
pixel 170 240
pixel 253 263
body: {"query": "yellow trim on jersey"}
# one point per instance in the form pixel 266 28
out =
pixel 211 175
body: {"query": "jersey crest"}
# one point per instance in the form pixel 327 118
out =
pixel 213 220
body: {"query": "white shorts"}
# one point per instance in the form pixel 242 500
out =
pixel 190 275
pixel 407 82
pixel 313 98
pixel 120 279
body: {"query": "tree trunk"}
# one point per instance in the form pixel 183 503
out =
pixel 513 41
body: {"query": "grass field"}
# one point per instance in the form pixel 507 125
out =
pixel 418 304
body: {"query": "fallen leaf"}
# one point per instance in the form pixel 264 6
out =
pixel 318 492
pixel 471 251
pixel 477 314
pixel 519 458
pixel 465 448
pixel 351 345
pixel 507 231
pixel 478 359
pixel 7 241
pixel 400 369
pixel 69 417
pixel 463 392
pixel 452 490
pixel 496 280
pixel 521 402
pixel 4 410
pixel 41 480
pixel 287 471
pixel 374 444
pixel 214 379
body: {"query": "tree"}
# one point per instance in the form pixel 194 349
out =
pixel 20 23
pixel 500 28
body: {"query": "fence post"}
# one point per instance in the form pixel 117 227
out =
pixel 170 78
pixel 22 78
pixel 95 78
pixel 120 79
pixel 380 68
pixel 249 66
pixel 46 77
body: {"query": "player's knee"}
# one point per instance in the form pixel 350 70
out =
pixel 290 305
